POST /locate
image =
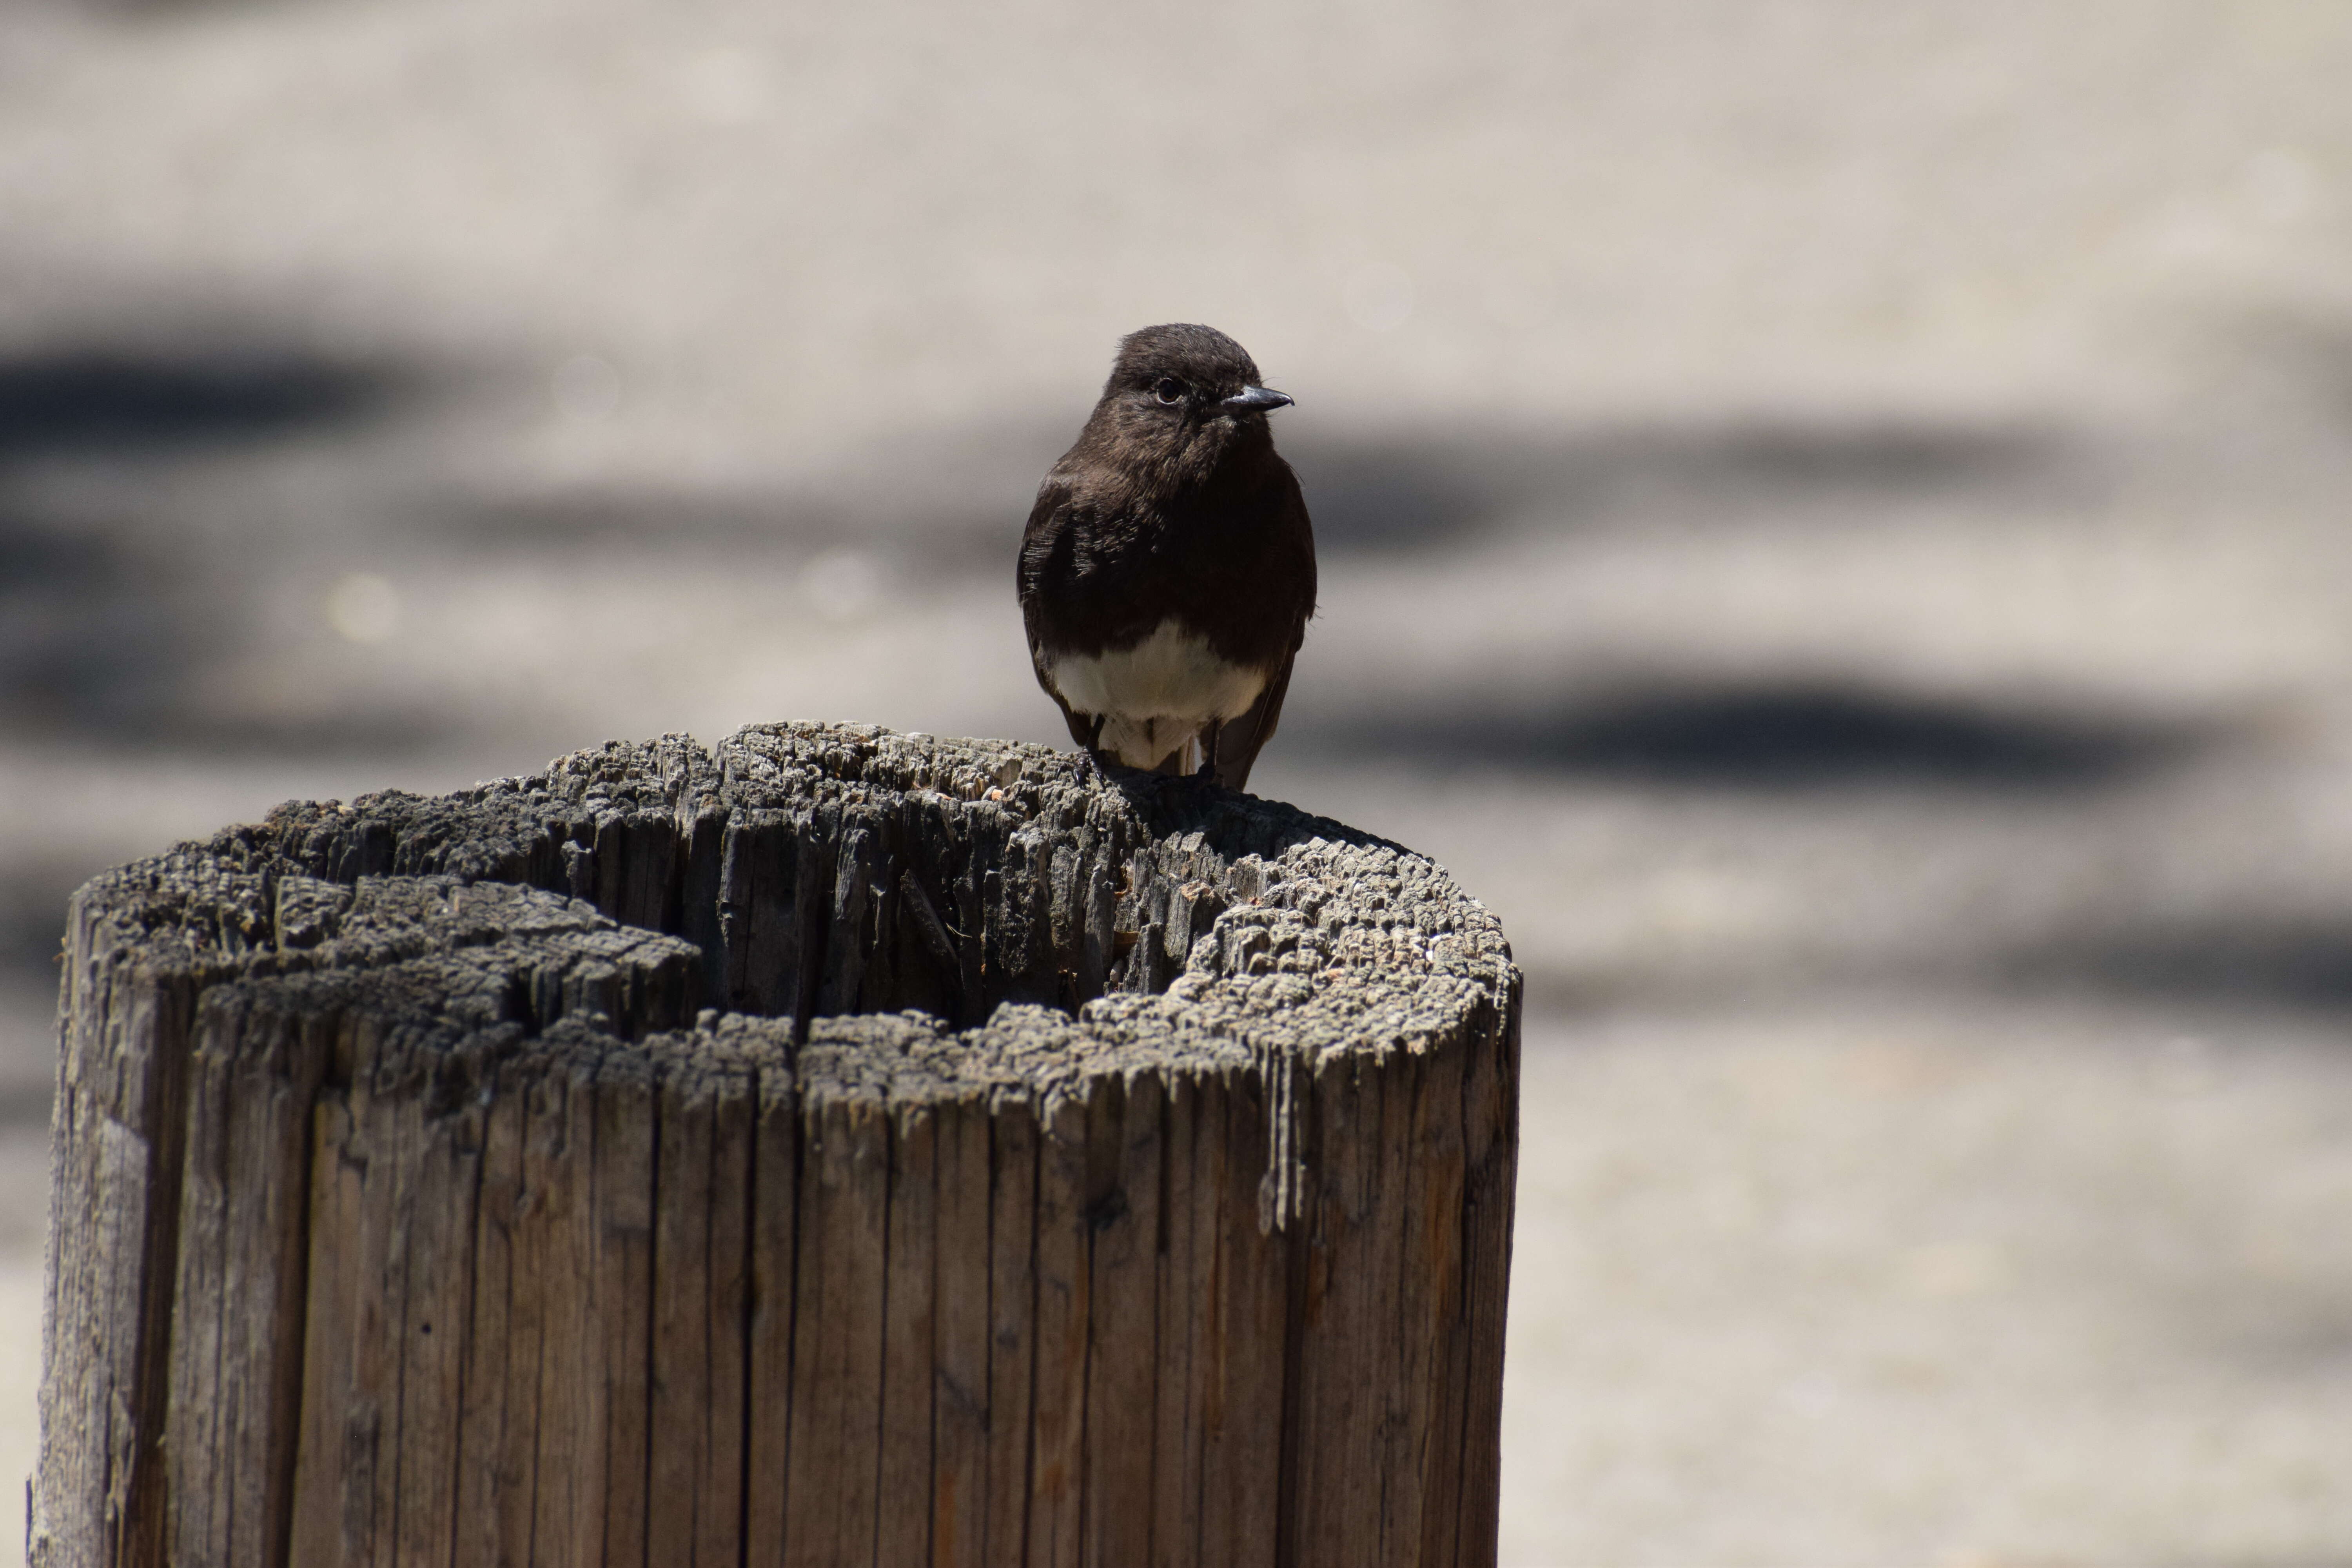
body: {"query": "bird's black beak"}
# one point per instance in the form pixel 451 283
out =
pixel 1255 400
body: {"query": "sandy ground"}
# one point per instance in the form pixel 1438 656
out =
pixel 1831 520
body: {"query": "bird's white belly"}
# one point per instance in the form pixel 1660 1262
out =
pixel 1159 694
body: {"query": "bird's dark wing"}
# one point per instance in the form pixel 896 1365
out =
pixel 1045 561
pixel 1281 584
pixel 1240 738
pixel 1044 546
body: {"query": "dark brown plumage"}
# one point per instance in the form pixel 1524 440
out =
pixel 1168 570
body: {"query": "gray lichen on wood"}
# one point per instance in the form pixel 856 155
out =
pixel 594 1158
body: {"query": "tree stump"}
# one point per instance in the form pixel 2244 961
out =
pixel 835 1147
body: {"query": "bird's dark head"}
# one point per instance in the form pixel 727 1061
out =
pixel 1183 391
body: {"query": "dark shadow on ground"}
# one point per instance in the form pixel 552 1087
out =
pixel 2282 963
pixel 1797 736
pixel 2269 962
pixel 107 611
pixel 955 504
pixel 775 533
pixel 97 629
pixel 33 915
pixel 1401 494
pixel 91 399
pixel 106 630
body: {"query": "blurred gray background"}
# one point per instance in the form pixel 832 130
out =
pixel 1833 523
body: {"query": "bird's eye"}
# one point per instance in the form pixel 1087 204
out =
pixel 1169 389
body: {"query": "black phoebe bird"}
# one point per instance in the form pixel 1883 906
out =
pixel 1168 570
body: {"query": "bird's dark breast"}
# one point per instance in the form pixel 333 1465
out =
pixel 1233 561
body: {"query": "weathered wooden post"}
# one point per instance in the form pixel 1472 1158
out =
pixel 561 1172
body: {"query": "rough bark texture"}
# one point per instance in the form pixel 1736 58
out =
pixel 838 1147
